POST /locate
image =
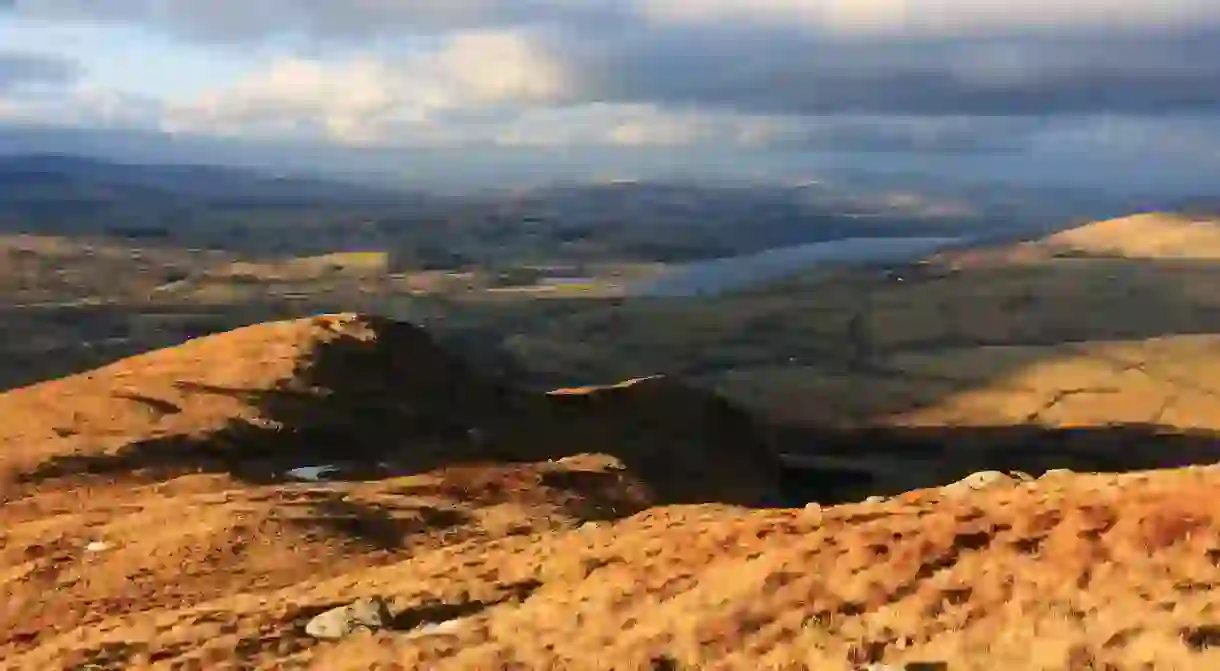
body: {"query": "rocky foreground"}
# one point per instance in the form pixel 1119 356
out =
pixel 211 506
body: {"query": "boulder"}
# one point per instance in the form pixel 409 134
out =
pixel 368 614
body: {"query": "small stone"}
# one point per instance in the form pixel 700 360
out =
pixel 1057 473
pixel 813 513
pixel 436 628
pixel 368 614
pixel 97 546
pixel 875 499
pixel 981 480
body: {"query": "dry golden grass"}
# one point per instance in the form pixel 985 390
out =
pixel 1015 336
pixel 1080 572
pixel 173 461
pixel 101 411
pixel 1170 381
pixel 37 268
pixel 1144 236
pixel 309 268
pixel 213 570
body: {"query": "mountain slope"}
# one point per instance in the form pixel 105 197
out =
pixel 150 522
pixel 1069 572
pixel 1144 236
pixel 150 518
pixel 265 398
pixel 167 479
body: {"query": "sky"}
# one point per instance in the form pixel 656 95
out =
pixel 1087 89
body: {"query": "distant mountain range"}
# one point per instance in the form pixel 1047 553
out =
pixel 64 177
pixel 260 211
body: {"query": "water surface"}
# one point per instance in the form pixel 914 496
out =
pixel 739 272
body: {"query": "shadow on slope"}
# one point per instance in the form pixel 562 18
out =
pixel 836 466
pixel 382 526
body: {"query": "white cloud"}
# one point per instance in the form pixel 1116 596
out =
pixel 293 96
pixel 368 102
pixel 360 100
pixel 81 105
pixel 493 67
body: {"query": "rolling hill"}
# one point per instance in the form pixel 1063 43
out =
pixel 1144 236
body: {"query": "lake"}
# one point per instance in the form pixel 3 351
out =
pixel 738 272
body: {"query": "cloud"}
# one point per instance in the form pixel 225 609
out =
pixel 639 125
pixel 18 69
pixel 785 71
pixel 82 105
pixel 936 17
pixel 636 126
pixel 1195 139
pixel 236 20
pixel 769 57
pixel 914 76
pixel 36 87
pixel 919 135
pixel 365 99
pixel 368 102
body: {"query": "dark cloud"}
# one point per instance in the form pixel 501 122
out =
pixel 234 20
pixel 17 69
pixel 787 71
pixel 923 135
